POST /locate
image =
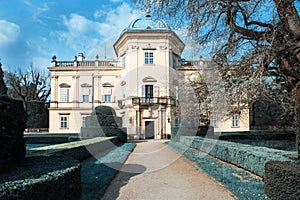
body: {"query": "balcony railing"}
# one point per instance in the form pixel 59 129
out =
pixel 153 100
pixel 86 63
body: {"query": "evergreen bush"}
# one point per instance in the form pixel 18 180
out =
pixel 12 126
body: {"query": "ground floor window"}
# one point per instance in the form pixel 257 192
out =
pixel 235 120
pixel 213 121
pixel 64 121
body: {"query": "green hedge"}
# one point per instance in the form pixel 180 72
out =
pixel 251 158
pixel 51 178
pixel 12 126
pixel 282 180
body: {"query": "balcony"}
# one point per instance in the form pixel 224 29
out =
pixel 86 63
pixel 153 100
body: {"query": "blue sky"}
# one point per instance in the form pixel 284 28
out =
pixel 32 31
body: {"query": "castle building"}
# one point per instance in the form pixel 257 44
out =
pixel 141 85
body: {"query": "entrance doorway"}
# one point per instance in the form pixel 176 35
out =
pixel 149 129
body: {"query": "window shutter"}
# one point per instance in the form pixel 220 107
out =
pixel 156 91
pixel 143 91
pixel 103 98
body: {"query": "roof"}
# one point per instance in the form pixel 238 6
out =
pixel 147 24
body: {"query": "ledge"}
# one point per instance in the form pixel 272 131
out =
pixel 78 150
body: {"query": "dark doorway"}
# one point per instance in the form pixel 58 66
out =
pixel 149 129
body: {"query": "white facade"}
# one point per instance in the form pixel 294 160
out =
pixel 140 85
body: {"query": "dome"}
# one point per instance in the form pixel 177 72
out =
pixel 147 23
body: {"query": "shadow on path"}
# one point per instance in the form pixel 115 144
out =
pixel 123 177
pixel 97 172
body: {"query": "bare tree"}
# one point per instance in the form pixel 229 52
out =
pixel 3 88
pixel 28 85
pixel 256 44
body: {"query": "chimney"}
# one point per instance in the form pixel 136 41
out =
pixel 80 57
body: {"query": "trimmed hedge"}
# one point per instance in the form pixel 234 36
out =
pixel 282 180
pixel 239 182
pixel 78 150
pixel 12 126
pixel 251 158
pixel 104 123
pixel 43 178
pixel 36 114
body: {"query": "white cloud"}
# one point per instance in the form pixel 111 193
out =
pixel 78 25
pixel 9 32
pixel 117 19
pixel 38 12
pixel 86 35
pixel 115 1
pixel 81 34
pixel 41 63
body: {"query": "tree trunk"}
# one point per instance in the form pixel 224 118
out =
pixel 296 98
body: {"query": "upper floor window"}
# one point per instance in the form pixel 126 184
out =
pixel 85 95
pixel 174 61
pixel 235 120
pixel 150 93
pixel 107 94
pixel 148 57
pixel 64 94
pixel 124 62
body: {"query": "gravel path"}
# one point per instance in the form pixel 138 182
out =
pixel 155 171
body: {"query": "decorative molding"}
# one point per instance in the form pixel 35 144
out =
pixel 134 47
pixel 64 85
pixel 64 113
pixel 54 76
pixel 149 79
pixel 163 47
pixel 107 84
pixel 85 85
pixel 123 83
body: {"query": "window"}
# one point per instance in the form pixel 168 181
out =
pixel 235 120
pixel 148 57
pixel 148 94
pixel 124 62
pixel 107 97
pixel 64 94
pixel 63 122
pixel 84 121
pixel 174 62
pixel 85 95
pixel 213 121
